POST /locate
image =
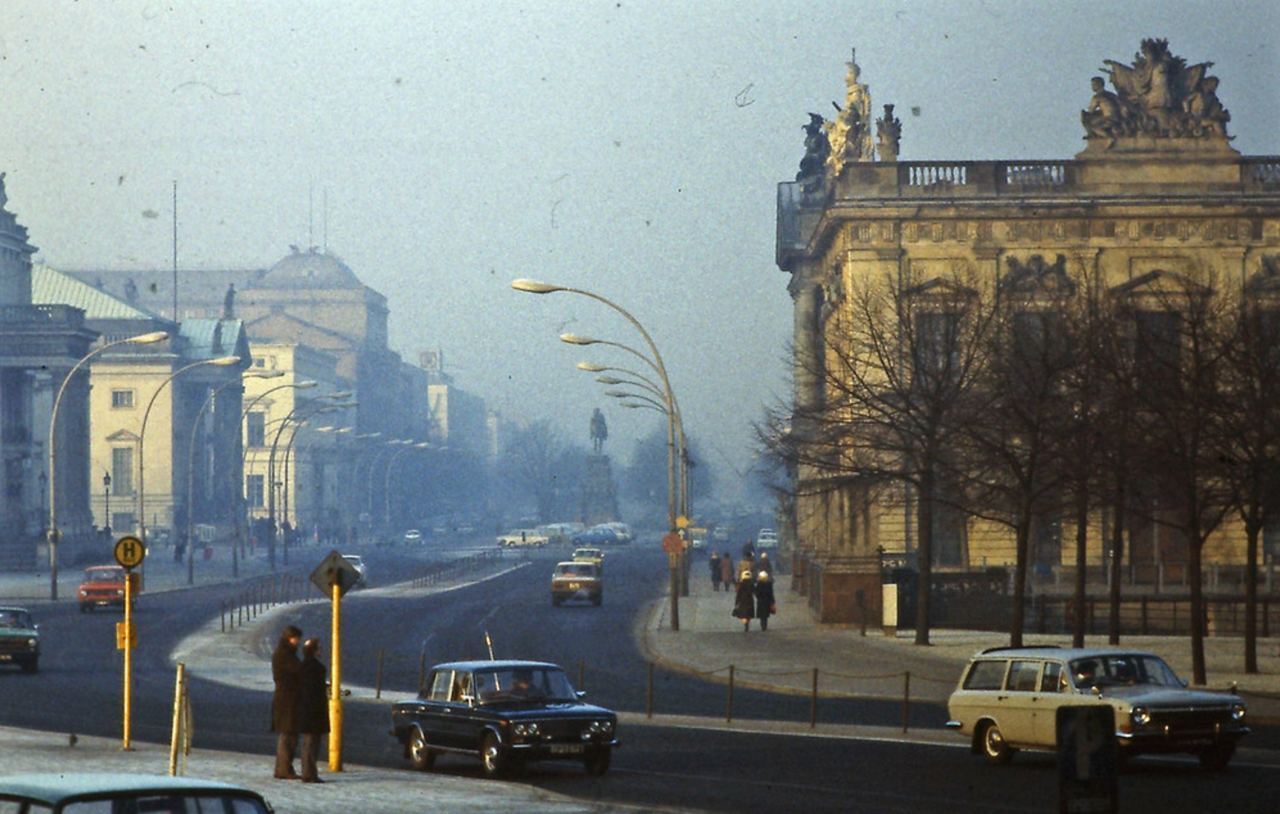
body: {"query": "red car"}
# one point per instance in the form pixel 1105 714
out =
pixel 102 585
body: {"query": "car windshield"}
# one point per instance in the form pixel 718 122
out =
pixel 1122 669
pixel 538 684
pixel 15 619
pixel 575 569
pixel 104 575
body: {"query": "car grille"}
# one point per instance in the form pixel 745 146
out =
pixel 10 645
pixel 1189 721
pixel 562 730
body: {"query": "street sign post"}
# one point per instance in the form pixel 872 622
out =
pixel 129 553
pixel 334 576
pixel 673 544
pixel 1086 759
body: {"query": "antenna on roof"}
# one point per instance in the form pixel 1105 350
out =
pixel 175 250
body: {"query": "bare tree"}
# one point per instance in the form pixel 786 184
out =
pixel 1252 429
pixel 898 360
pixel 1011 436
pixel 535 456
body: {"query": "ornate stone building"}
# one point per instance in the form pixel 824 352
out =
pixel 39 344
pixel 1157 193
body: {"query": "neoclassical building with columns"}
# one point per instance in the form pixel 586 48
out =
pixel 1158 191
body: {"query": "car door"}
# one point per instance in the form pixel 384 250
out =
pixel 1055 690
pixel 1018 702
pixel 441 711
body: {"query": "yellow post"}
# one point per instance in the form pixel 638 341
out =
pixel 128 659
pixel 335 686
pixel 175 734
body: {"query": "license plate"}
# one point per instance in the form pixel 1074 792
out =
pixel 573 586
pixel 566 748
pixel 5 657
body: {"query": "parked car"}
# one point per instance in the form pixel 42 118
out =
pixel 413 537
pixel 577 580
pixel 19 639
pixel 74 793
pixel 101 586
pixel 1007 700
pixel 357 562
pixel 522 538
pixel 620 530
pixel 505 713
pixel 589 554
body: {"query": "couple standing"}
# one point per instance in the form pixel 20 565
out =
pixel 754 599
pixel 299 704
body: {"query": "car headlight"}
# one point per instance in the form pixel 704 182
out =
pixel 600 727
pixel 1141 716
pixel 34 643
pixel 1237 712
pixel 120 593
pixel 523 730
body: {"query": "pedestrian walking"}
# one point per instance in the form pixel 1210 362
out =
pixel 715 571
pixel 313 709
pixel 726 570
pixel 766 604
pixel 744 603
pixel 748 550
pixel 747 564
pixel 285 672
pixel 766 564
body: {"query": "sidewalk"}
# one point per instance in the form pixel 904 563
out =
pixel 358 788
pixel 851 665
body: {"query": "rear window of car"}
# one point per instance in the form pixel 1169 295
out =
pixel 1052 679
pixel 985 675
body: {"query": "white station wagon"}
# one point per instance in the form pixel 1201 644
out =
pixel 1008 699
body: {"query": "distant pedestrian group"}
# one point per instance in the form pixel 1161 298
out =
pixel 754 597
pixel 299 705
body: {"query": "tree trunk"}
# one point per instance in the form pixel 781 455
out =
pixel 924 557
pixel 1252 530
pixel 1195 548
pixel 1117 563
pixel 1022 535
pixel 1080 599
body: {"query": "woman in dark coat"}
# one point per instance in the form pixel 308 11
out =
pixel 764 598
pixel 715 571
pixel 313 709
pixel 285 669
pixel 744 601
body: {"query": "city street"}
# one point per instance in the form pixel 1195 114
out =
pixel 696 765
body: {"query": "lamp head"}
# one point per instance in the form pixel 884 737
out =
pixel 149 338
pixel 608 380
pixel 305 385
pixel 534 287
pixel 341 394
pixel 575 339
pixel 264 374
pixel 225 361
pixel 591 367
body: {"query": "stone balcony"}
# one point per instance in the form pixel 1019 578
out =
pixel 42 335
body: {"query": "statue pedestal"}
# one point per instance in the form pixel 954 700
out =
pixel 599 498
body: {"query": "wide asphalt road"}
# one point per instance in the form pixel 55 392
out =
pixel 77 690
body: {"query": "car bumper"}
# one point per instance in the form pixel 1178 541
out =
pixel 1160 740
pixel 566 750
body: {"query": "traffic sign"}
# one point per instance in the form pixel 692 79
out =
pixel 130 552
pixel 334 570
pixel 682 522
pixel 126 635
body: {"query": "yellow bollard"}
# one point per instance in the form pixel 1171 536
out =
pixel 175 734
pixel 128 660
pixel 335 686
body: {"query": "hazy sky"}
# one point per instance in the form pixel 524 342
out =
pixel 627 147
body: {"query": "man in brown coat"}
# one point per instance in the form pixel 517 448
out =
pixel 313 709
pixel 285 671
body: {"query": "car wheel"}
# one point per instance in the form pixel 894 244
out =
pixel 596 761
pixel 994 747
pixel 492 756
pixel 420 756
pixel 1216 758
pixel 31 665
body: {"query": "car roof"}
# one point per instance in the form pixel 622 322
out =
pixel 506 664
pixel 575 563
pixel 54 789
pixel 1063 653
pixel 13 608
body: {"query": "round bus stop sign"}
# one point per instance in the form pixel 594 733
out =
pixel 130 552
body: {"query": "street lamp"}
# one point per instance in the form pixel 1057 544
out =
pixel 386 489
pixel 271 465
pixel 141 339
pixel 106 498
pixel 306 384
pixel 191 454
pixel 220 361
pixel 656 363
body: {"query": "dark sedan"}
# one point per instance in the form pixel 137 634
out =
pixel 506 713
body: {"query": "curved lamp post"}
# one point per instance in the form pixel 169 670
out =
pixel 659 367
pixel 386 488
pixel 221 361
pixel 271 464
pixel 244 454
pixel 388 447
pixel 191 454
pixel 52 531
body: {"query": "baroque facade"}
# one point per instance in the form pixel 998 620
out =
pixel 1157 194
